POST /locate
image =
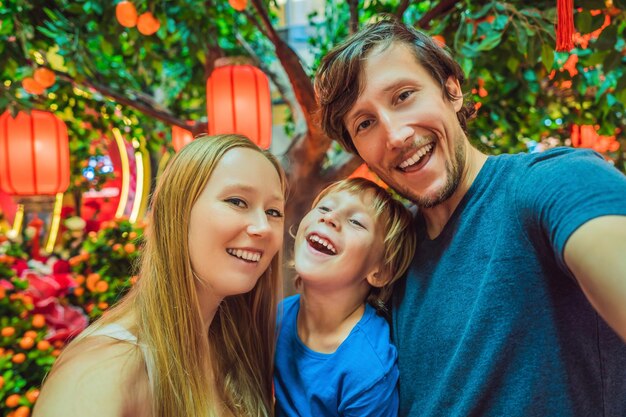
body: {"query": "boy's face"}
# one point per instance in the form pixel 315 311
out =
pixel 405 129
pixel 338 243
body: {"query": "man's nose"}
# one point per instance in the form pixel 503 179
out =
pixel 396 131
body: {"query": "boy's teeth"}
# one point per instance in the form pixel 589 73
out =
pixel 323 242
pixel 416 157
pixel 245 255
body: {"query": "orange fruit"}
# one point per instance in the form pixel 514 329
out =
pixel 27 343
pixel 56 352
pixel 78 291
pixel 130 248
pixel 23 411
pixel 8 331
pixel 439 40
pixel 147 24
pixel 3 293
pixel 32 395
pixel 43 345
pixel 12 400
pixel 1 381
pixel 32 87
pixel 31 333
pixel 80 279
pixel 103 305
pixel 44 77
pixel 102 286
pixel 126 14
pixel 39 321
pixel 18 358
pixel 239 5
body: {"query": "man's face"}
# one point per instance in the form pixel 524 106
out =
pixel 405 129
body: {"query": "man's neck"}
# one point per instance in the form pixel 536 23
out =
pixel 437 217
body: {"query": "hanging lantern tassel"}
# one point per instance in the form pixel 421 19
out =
pixel 565 25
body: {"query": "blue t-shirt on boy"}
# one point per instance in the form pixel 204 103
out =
pixel 358 379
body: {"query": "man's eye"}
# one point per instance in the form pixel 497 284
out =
pixel 236 202
pixel 274 213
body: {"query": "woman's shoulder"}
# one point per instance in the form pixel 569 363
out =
pixel 98 375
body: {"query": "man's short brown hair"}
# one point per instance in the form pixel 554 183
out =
pixel 338 82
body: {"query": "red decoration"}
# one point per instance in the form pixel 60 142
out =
pixel 565 25
pixel 363 171
pixel 44 77
pixel 238 101
pixel 586 136
pixel 147 24
pixel 180 137
pixel 34 154
pixel 126 14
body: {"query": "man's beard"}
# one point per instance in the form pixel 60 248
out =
pixel 454 169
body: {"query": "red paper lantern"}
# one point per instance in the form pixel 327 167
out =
pixel 238 101
pixel 180 137
pixel 34 154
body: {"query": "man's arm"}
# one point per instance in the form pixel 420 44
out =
pixel 596 255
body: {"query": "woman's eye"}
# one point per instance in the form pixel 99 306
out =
pixel 363 125
pixel 274 213
pixel 404 95
pixel 236 202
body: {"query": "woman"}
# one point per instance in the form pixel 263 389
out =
pixel 195 336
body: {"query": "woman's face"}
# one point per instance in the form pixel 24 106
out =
pixel 236 225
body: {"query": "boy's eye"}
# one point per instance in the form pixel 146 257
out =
pixel 323 209
pixel 274 213
pixel 357 223
pixel 236 202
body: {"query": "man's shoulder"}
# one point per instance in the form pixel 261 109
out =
pixel 559 155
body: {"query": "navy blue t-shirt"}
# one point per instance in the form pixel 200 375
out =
pixel 489 321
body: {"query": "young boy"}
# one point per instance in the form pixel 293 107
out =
pixel 334 356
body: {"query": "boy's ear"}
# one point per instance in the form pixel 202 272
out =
pixel 377 278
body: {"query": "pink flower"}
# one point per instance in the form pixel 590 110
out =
pixel 19 266
pixel 6 284
pixel 61 267
pixel 65 322
pixel 44 290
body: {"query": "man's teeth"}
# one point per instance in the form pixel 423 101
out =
pixel 323 242
pixel 416 157
pixel 245 255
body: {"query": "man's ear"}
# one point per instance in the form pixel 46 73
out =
pixel 453 87
pixel 377 278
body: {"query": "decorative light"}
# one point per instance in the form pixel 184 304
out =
pixel 180 137
pixel 238 101
pixel 34 157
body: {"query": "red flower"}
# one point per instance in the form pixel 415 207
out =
pixel 61 267
pixel 65 322
pixel 44 290
pixel 19 266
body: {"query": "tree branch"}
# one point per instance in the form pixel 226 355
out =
pixel 443 7
pixel 142 105
pixel 354 15
pixel 302 85
pixel 404 4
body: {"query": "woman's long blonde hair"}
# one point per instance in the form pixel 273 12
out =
pixel 236 357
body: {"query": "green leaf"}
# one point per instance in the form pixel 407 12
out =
pixel 490 42
pixel 607 38
pixel 512 64
pixel 547 56
pixel 612 61
pixel 594 59
pixel 582 21
pixel 534 50
pixel 522 38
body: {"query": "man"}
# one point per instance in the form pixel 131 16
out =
pixel 516 299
